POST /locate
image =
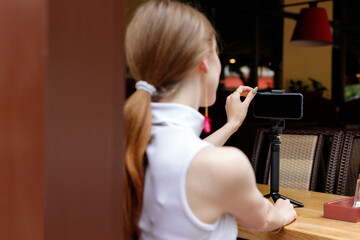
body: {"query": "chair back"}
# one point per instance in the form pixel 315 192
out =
pixel 308 158
pixel 297 156
pixel 349 168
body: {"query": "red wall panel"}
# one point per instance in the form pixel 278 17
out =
pixel 22 67
pixel 62 90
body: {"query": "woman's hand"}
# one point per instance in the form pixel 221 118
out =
pixel 236 112
pixel 236 109
pixel 287 210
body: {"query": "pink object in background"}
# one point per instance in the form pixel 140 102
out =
pixel 232 82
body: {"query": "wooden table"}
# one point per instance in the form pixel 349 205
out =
pixel 310 223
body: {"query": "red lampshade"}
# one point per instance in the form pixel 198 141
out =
pixel 312 28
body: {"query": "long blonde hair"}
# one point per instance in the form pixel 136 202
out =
pixel 164 40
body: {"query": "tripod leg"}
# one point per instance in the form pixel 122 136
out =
pixel 275 196
pixel 299 204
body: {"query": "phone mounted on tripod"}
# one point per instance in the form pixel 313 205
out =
pixel 278 106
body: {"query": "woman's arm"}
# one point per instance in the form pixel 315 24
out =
pixel 246 203
pixel 236 111
pixel 228 186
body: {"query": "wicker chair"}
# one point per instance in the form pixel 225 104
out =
pixel 349 168
pixel 308 158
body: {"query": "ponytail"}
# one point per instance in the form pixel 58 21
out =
pixel 137 135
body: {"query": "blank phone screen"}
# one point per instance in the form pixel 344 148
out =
pixel 278 105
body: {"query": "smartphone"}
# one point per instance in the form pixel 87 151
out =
pixel 277 105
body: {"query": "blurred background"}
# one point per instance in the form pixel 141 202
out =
pixel 256 50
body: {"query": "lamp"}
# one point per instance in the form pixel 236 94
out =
pixel 312 28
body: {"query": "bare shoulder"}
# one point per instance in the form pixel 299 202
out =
pixel 215 178
pixel 224 164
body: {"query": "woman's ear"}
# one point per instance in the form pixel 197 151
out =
pixel 204 66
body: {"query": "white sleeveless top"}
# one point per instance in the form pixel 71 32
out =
pixel 173 145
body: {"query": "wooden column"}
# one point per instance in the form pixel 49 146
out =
pixel 62 90
pixel 22 79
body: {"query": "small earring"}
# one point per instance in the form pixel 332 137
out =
pixel 207 122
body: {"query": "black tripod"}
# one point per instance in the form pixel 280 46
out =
pixel 277 128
